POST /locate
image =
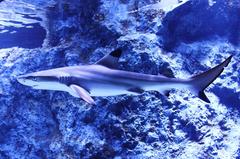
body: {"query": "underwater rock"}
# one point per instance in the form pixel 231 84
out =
pixel 51 124
pixel 198 20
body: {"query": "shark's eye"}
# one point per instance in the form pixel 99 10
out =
pixel 34 78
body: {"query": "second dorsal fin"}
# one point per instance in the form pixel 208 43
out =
pixel 110 60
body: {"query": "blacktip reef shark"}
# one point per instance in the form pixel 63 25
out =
pixel 104 79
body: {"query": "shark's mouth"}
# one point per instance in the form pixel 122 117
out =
pixel 34 86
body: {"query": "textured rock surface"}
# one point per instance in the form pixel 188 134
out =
pixel 199 20
pixel 156 38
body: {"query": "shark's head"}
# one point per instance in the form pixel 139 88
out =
pixel 37 81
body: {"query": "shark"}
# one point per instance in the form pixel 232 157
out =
pixel 103 78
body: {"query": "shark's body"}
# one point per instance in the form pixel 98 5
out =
pixel 102 79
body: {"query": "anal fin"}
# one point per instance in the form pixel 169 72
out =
pixel 166 93
pixel 136 90
pixel 82 93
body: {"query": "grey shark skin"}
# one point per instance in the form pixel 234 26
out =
pixel 102 79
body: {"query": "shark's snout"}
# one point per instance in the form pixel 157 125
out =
pixel 21 79
pixel 31 80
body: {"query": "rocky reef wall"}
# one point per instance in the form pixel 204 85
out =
pixel 176 39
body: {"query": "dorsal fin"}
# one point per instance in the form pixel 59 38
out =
pixel 111 60
pixel 161 75
pixel 166 75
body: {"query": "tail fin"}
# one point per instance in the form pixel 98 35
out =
pixel 203 80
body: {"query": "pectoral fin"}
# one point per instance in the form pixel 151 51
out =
pixel 82 93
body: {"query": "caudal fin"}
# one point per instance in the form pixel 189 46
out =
pixel 203 80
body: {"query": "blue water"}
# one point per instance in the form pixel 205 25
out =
pixel 23 37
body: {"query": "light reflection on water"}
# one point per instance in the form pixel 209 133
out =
pixel 20 25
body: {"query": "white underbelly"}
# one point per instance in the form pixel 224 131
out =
pixel 108 93
pixel 53 86
pixel 107 90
